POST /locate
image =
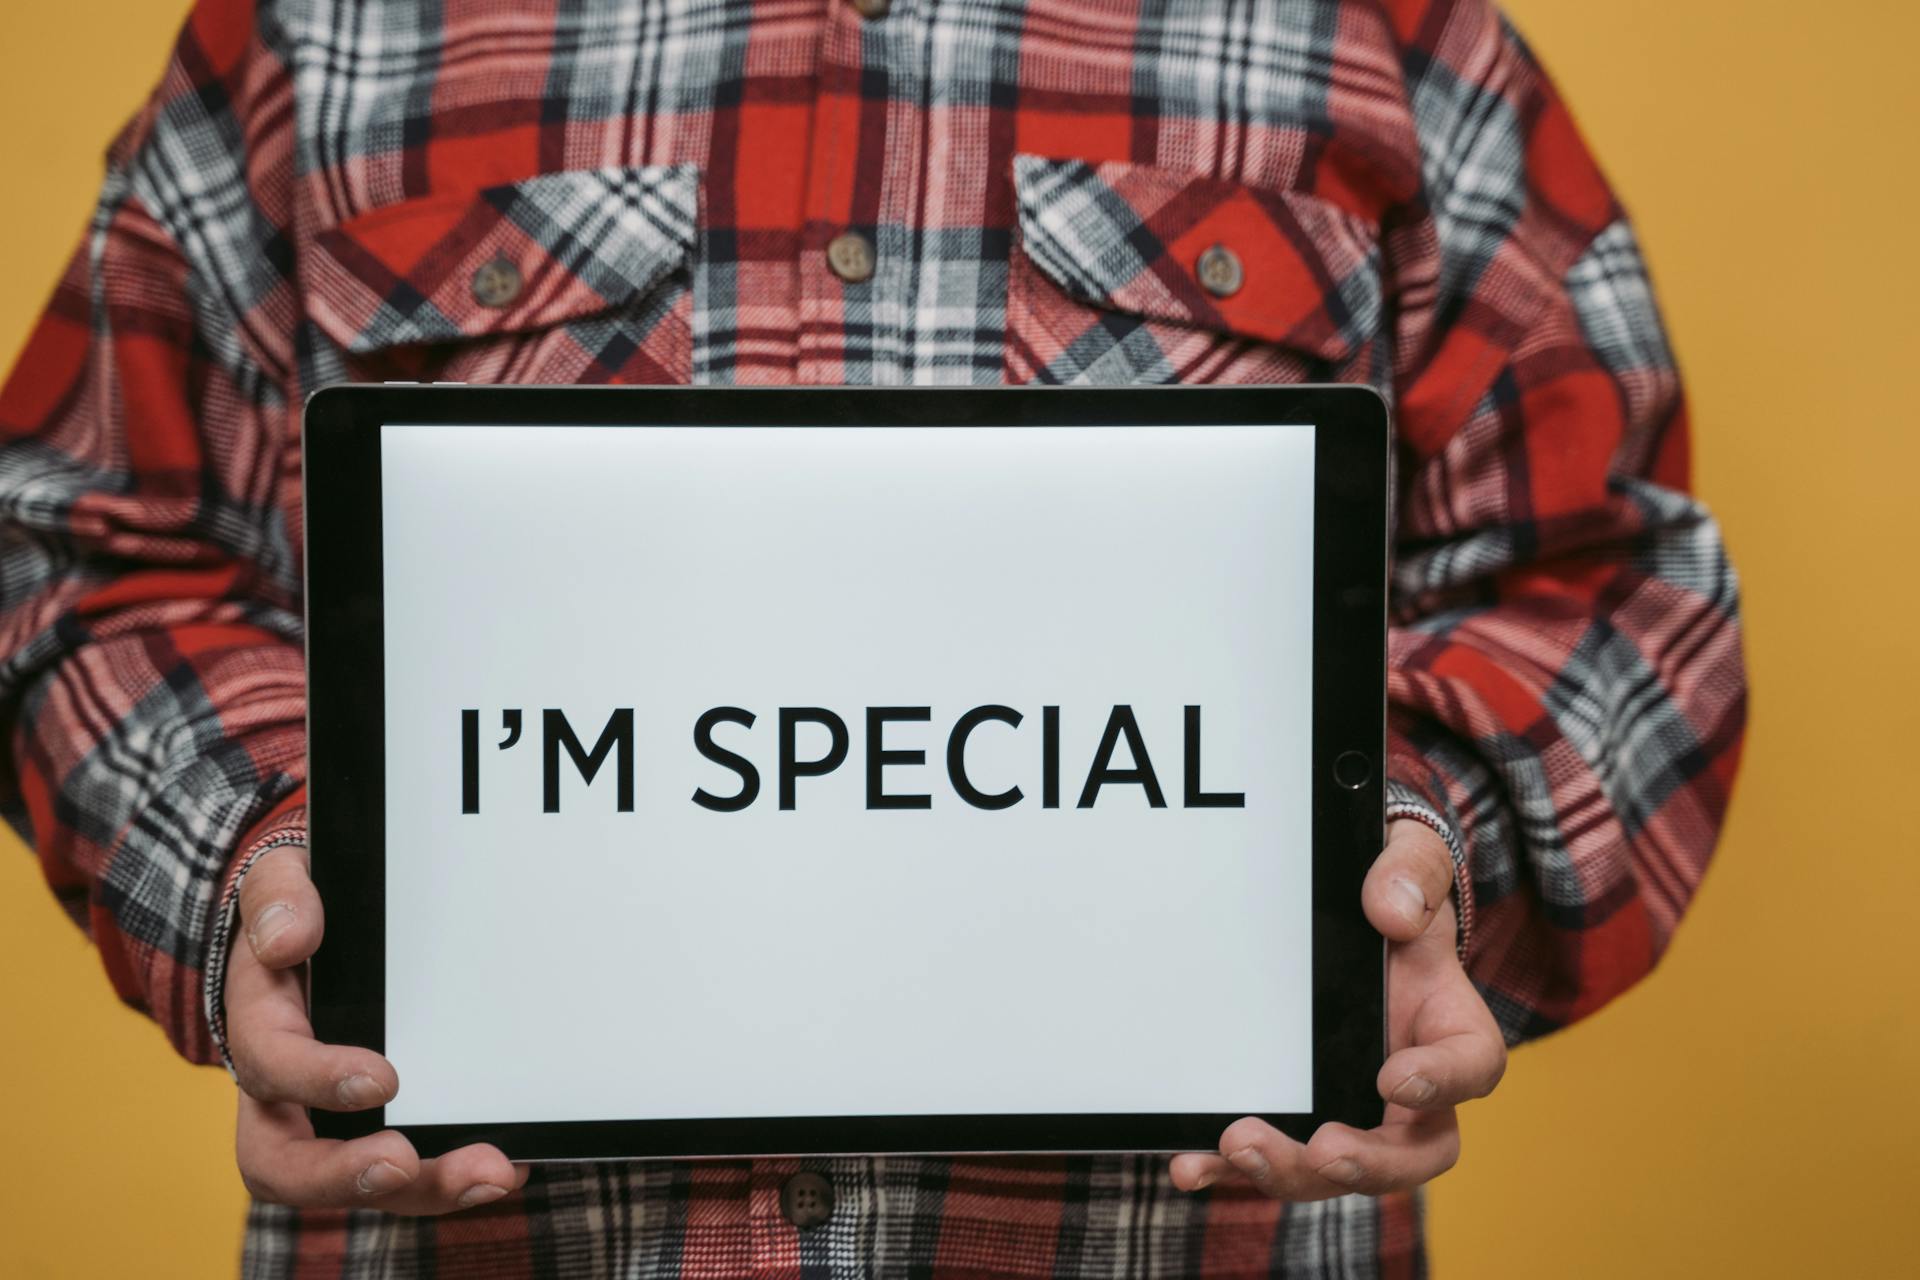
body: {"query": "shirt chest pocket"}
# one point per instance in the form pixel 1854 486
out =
pixel 1128 273
pixel 576 276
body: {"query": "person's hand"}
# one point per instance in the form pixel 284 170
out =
pixel 283 1070
pixel 1443 1049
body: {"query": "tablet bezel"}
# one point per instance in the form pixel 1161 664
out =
pixel 346 730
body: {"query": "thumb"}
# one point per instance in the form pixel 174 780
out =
pixel 280 909
pixel 1409 881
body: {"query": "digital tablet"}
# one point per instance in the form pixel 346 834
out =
pixel 717 772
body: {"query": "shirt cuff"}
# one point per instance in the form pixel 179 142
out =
pixel 1414 793
pixel 285 824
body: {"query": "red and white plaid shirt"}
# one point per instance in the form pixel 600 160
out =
pixel 645 191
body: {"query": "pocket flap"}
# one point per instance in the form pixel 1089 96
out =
pixel 1130 237
pixel 524 255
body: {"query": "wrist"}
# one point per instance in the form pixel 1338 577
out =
pixel 1409 804
pixel 285 824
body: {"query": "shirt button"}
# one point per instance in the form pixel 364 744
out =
pixel 496 284
pixel 806 1200
pixel 850 254
pixel 1220 271
pixel 871 9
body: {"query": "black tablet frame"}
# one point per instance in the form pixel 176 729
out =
pixel 346 801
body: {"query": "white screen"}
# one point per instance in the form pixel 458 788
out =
pixel 673 961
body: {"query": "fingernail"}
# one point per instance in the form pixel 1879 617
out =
pixel 1343 1171
pixel 1412 902
pixel 1414 1091
pixel 1206 1180
pixel 270 924
pixel 382 1176
pixel 1250 1162
pixel 480 1193
pixel 361 1091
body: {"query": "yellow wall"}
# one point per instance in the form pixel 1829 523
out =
pixel 1751 1107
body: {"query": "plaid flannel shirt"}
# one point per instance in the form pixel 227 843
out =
pixel 645 191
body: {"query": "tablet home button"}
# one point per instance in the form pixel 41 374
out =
pixel 1352 769
pixel 807 1200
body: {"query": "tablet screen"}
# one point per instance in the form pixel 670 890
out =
pixel 847 771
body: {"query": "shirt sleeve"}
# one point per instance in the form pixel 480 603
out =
pixel 151 673
pixel 1566 686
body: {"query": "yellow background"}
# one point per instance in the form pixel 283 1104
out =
pixel 1750 1109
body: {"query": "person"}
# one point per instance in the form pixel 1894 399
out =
pixel 866 192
